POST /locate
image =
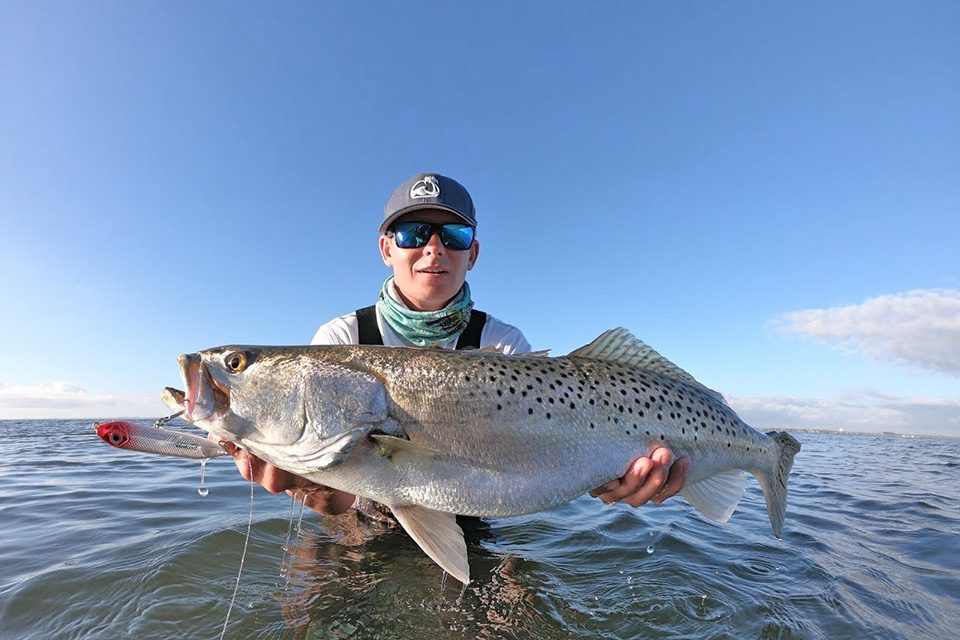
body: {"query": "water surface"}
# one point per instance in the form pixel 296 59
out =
pixel 96 542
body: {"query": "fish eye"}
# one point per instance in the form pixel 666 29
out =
pixel 116 438
pixel 235 361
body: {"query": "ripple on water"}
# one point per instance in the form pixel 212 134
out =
pixel 869 551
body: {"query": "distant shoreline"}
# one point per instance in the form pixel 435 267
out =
pixel 887 434
pixel 835 431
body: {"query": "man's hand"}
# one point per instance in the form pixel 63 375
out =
pixel 323 500
pixel 648 478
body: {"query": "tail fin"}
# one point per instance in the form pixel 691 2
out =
pixel 775 485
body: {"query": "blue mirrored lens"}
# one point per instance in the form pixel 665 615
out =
pixel 456 236
pixel 413 235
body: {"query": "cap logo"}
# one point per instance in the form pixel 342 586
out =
pixel 426 187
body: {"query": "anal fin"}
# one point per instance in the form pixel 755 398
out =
pixel 717 496
pixel 439 535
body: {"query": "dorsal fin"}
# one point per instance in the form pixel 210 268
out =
pixel 620 346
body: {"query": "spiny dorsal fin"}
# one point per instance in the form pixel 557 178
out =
pixel 620 346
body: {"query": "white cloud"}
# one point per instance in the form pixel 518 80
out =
pixel 854 411
pixel 920 328
pixel 68 400
pixel 48 394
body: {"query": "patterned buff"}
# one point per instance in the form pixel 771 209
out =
pixel 425 328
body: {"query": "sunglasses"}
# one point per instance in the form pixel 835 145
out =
pixel 413 235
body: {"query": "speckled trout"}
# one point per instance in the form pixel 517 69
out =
pixel 432 433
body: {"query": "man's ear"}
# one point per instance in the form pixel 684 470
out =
pixel 474 254
pixel 386 246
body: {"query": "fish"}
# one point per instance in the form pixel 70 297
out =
pixel 434 433
pixel 150 439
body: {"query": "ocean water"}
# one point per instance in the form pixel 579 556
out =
pixel 96 542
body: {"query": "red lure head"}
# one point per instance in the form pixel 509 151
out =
pixel 116 433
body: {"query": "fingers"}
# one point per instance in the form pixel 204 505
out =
pixel 324 500
pixel 630 483
pixel 675 481
pixel 273 479
pixel 647 479
pixel 654 480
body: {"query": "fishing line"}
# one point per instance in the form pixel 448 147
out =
pixel 300 522
pixel 243 555
pixel 286 545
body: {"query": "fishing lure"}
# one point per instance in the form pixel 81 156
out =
pixel 151 439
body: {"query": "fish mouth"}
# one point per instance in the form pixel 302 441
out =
pixel 204 399
pixel 175 399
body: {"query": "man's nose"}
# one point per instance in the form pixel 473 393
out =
pixel 434 244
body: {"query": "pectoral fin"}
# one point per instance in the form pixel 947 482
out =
pixel 391 446
pixel 439 535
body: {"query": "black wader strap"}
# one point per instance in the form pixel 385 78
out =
pixel 367 326
pixel 470 338
pixel 369 332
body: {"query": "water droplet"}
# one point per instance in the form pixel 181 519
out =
pixel 650 549
pixel 202 489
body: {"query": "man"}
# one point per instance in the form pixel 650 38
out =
pixel 428 239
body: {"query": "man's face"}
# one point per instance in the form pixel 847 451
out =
pixel 428 277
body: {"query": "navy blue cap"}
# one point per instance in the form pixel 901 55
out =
pixel 429 191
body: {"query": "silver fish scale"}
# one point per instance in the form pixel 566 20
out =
pixel 540 431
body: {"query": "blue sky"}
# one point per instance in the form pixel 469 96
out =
pixel 765 192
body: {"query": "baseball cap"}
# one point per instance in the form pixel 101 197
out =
pixel 429 191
